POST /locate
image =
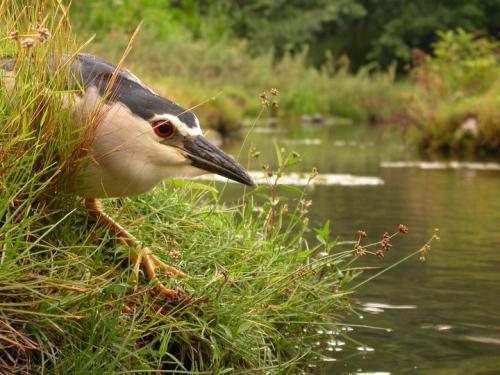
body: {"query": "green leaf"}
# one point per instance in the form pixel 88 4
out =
pixel 278 154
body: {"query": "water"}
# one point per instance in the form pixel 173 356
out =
pixel 442 316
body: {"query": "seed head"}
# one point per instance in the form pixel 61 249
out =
pixel 14 35
pixel 28 42
pixel 359 250
pixel 175 255
pixel 403 229
pixel 380 254
pixel 436 234
pixel 386 245
pixel 44 34
pixel 423 253
pixel 301 272
pixel 275 92
pixel 361 233
pixel 306 203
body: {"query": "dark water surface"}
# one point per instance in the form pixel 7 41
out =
pixel 442 316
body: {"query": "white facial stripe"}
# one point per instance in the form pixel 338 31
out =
pixel 128 74
pixel 179 125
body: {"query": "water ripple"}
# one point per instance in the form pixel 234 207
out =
pixel 484 340
pixel 378 308
pixel 302 179
pixel 442 165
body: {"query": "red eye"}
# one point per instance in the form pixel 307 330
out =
pixel 163 128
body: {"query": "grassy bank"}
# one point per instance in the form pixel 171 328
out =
pixel 455 99
pixel 68 303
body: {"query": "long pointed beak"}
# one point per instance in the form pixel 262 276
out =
pixel 210 158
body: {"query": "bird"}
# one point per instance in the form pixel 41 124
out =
pixel 138 139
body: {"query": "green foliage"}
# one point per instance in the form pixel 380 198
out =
pixel 160 18
pixel 364 30
pixel 397 26
pixel 285 25
pixel 457 98
pixel 465 62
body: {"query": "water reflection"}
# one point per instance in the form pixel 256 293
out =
pixel 484 340
pixel 378 308
pixel 453 325
pixel 303 179
pixel 453 164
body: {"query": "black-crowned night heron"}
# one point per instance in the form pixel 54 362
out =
pixel 139 139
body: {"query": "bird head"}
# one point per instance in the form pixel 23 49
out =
pixel 181 141
pixel 160 138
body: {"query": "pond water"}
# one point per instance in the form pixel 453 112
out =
pixel 441 316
